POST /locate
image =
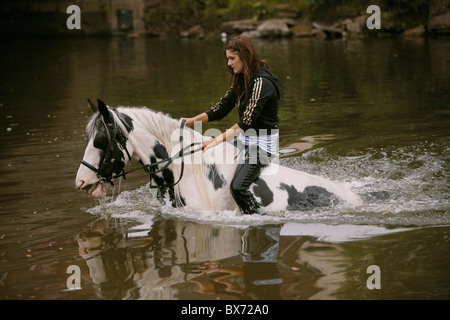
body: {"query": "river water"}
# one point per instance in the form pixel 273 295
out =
pixel 374 115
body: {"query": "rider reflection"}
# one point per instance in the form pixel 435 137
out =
pixel 256 276
pixel 107 262
pixel 259 251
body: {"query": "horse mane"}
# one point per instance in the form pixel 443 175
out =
pixel 167 130
pixel 159 124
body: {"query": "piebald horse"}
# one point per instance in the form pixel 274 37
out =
pixel 199 180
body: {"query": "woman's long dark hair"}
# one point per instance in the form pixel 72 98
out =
pixel 243 47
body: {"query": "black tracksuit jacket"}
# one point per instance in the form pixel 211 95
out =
pixel 257 110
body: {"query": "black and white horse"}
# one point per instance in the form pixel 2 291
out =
pixel 199 180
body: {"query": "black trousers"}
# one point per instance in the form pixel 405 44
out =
pixel 246 173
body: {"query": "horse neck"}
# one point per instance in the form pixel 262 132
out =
pixel 161 126
pixel 167 131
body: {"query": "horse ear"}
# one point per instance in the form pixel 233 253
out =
pixel 92 105
pixel 104 111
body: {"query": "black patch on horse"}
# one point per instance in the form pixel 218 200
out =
pixel 262 190
pixel 167 178
pixel 215 177
pixel 312 197
pixel 160 151
pixel 101 140
pixel 159 180
pixel 126 120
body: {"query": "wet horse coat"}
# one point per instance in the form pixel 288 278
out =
pixel 151 137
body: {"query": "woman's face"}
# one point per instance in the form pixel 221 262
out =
pixel 234 62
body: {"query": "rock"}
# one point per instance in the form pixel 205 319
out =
pixel 440 24
pixel 252 34
pixel 239 26
pixel 301 31
pixel 331 32
pixel 194 32
pixel 355 25
pixel 319 34
pixel 418 31
pixel 275 28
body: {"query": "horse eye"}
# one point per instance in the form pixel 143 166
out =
pixel 101 140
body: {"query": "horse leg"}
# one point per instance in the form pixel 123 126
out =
pixel 164 191
pixel 161 182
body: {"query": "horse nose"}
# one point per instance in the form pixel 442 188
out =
pixel 79 184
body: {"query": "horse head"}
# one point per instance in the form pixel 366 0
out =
pixel 107 150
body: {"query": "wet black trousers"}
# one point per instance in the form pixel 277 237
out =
pixel 246 173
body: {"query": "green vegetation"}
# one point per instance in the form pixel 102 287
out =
pixel 211 13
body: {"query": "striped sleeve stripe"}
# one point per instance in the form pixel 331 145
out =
pixel 215 107
pixel 253 101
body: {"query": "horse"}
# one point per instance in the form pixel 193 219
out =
pixel 182 173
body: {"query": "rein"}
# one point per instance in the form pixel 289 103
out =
pixel 148 167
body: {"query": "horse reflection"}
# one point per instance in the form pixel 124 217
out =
pixel 185 260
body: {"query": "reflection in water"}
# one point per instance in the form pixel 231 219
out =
pixel 256 275
pixel 260 252
pixel 154 263
pixel 176 260
pixel 109 266
pixel 330 262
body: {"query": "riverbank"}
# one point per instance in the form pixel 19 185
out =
pixel 359 22
pixel 195 19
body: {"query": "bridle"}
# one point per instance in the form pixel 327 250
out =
pixel 117 137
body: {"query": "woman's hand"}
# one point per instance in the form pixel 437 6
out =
pixel 208 144
pixel 189 121
pixel 203 117
pixel 231 132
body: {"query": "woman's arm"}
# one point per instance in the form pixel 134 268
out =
pixel 223 107
pixel 202 117
pixel 227 135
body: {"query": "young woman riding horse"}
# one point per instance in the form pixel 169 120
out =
pixel 255 93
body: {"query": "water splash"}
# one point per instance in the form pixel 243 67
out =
pixel 401 187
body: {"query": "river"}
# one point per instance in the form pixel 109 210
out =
pixel 371 114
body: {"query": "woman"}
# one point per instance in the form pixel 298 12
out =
pixel 255 93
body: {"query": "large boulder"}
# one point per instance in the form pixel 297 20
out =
pixel 440 24
pixel 194 32
pixel 275 28
pixel 355 25
pixel 415 32
pixel 239 26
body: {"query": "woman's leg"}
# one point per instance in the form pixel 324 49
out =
pixel 246 173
